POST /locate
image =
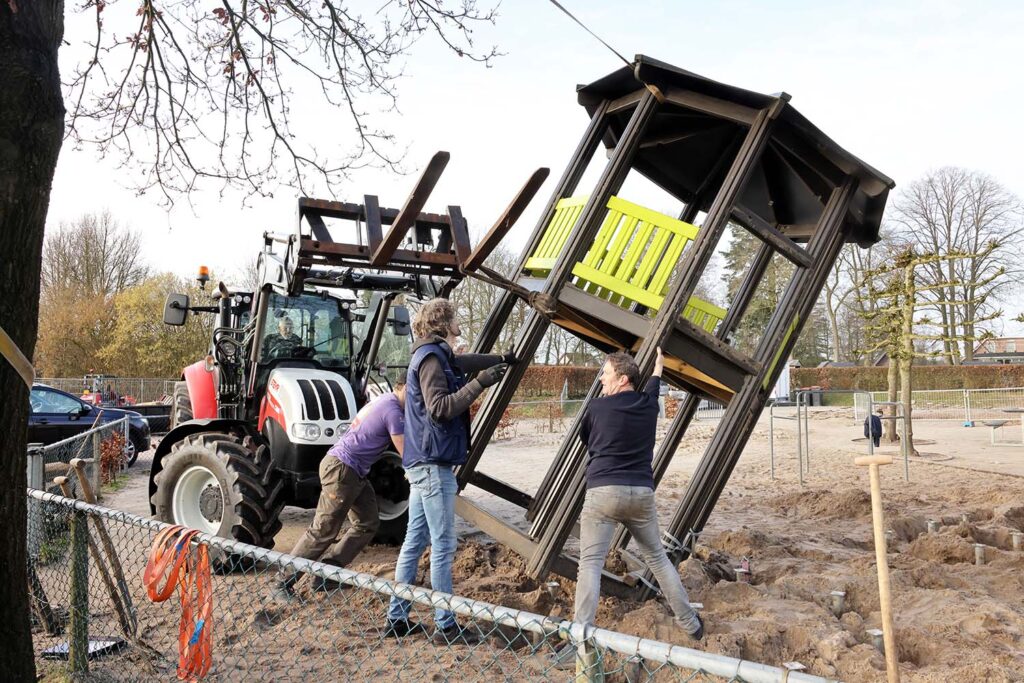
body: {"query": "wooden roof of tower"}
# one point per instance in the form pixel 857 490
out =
pixel 684 143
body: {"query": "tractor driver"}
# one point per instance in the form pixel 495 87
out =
pixel 284 338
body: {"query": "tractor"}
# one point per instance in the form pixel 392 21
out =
pixel 291 363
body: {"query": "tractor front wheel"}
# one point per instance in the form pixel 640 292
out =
pixel 181 405
pixel 222 485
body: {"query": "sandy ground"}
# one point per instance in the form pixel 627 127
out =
pixel 955 621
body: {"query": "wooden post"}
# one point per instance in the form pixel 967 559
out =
pixel 122 597
pixel 78 639
pixel 872 462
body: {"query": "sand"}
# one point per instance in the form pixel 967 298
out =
pixel 955 621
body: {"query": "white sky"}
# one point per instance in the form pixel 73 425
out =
pixel 906 86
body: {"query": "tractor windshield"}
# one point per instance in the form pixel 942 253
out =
pixel 308 326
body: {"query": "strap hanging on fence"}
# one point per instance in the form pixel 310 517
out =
pixel 10 351
pixel 190 573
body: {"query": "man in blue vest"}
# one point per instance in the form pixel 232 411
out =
pixel 436 441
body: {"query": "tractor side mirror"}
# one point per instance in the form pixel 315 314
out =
pixel 175 309
pixel 399 320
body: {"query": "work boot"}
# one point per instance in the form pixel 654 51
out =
pixel 403 628
pixel 457 635
pixel 698 635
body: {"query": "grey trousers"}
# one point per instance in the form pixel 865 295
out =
pixel 633 506
pixel 343 493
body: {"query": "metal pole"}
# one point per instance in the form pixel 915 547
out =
pixel 871 439
pixel 771 438
pixel 799 439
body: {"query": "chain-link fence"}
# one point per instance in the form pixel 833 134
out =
pixel 91 612
pixel 105 447
pixel 123 391
pixel 964 405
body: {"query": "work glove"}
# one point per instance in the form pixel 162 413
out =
pixel 492 375
pixel 509 357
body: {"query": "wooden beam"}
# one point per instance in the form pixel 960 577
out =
pixel 460 234
pixel 374 231
pixel 506 220
pixel 723 109
pixel 413 205
pixel 501 489
pixel 317 226
pixel 767 233
pixel 626 102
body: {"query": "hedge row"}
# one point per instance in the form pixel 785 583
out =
pixel 548 380
pixel 925 377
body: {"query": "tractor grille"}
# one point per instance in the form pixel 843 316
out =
pixel 324 397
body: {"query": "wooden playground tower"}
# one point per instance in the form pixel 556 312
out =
pixel 622 276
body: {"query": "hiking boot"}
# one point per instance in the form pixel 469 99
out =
pixel 403 628
pixel 457 635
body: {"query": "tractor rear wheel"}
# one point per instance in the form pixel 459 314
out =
pixel 181 405
pixel 223 485
pixel 392 488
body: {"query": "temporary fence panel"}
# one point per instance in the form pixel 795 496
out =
pixel 329 635
pixel 964 405
pixel 129 389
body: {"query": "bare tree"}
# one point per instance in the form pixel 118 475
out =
pixel 239 74
pixel 93 255
pixel 953 210
pixel 190 93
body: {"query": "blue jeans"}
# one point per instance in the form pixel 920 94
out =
pixel 431 522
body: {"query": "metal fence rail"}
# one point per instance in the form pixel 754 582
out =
pixel 965 405
pixel 332 635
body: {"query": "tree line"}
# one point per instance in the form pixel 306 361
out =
pixel 963 231
pixel 101 306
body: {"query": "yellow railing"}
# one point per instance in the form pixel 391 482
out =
pixel 631 259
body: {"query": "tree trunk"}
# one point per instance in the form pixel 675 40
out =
pixel 31 130
pixel 907 357
pixel 892 378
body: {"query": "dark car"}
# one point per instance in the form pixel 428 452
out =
pixel 57 415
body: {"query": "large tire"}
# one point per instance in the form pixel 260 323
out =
pixel 392 488
pixel 223 485
pixel 181 405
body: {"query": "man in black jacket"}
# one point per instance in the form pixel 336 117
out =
pixel 618 431
pixel 873 427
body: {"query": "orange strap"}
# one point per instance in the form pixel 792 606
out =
pixel 190 574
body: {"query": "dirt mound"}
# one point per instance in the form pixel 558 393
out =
pixel 742 542
pixel 843 503
pixel 945 548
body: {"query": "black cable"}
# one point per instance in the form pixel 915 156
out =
pixel 570 15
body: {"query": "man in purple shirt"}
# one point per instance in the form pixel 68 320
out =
pixel 345 489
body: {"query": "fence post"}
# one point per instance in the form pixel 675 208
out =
pixel 968 421
pixel 78 643
pixel 35 511
pixel 97 462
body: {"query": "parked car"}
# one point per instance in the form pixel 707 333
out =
pixel 57 415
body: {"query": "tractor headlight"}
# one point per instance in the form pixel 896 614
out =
pixel 306 431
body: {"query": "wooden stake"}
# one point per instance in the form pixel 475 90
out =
pixel 123 601
pixel 872 462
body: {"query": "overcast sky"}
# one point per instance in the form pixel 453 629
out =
pixel 906 86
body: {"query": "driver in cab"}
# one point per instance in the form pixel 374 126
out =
pixel 285 338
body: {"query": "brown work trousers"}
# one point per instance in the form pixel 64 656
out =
pixel 343 493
